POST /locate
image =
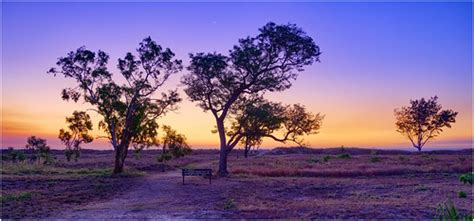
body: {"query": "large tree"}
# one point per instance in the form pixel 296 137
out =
pixel 129 111
pixel 266 62
pixel 423 120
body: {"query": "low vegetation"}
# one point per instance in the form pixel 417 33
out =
pixel 15 197
pixel 267 180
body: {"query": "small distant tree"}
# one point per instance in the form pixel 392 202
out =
pixel 174 142
pixel 264 63
pixel 173 145
pixel 78 132
pixel 38 147
pixel 423 120
pixel 129 111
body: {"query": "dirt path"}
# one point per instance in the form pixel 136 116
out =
pixel 156 196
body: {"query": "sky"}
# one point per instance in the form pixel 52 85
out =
pixel 375 58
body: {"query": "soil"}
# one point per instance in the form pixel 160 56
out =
pixel 429 180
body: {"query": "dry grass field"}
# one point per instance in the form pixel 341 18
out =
pixel 282 183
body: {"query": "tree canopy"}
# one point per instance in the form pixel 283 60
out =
pixel 129 111
pixel 264 63
pixel 79 126
pixel 423 120
pixel 38 146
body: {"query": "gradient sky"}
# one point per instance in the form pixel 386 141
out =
pixel 376 57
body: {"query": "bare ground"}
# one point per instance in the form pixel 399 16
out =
pixel 164 196
pixel 297 185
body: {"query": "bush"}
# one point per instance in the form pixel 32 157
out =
pixel 164 157
pixel 462 194
pixel 15 197
pixel 402 158
pixel 447 211
pixel 21 156
pixel 375 159
pixel 344 156
pixel 229 204
pixel 327 158
pixel 313 160
pixel 466 178
pixel 72 154
pixel 15 155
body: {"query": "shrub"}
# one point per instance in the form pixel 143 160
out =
pixel 72 154
pixel 327 158
pixel 229 204
pixel 375 159
pixel 421 188
pixel 137 152
pixel 15 197
pixel 462 194
pixel 164 157
pixel 313 160
pixel 15 155
pixel 48 158
pixel 21 156
pixel 402 158
pixel 466 178
pixel 448 211
pixel 344 156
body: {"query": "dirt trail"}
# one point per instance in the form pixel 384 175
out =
pixel 156 196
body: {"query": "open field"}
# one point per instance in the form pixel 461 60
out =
pixel 283 183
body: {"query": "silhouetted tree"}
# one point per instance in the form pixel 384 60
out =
pixel 79 126
pixel 38 147
pixel 259 118
pixel 266 62
pixel 174 145
pixel 174 142
pixel 128 111
pixel 423 120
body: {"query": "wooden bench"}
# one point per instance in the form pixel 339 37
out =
pixel 197 172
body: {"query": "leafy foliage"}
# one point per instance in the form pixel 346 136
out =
pixel 447 211
pixel 39 147
pixel 129 111
pixel 79 126
pixel 462 194
pixel 375 159
pixel 466 178
pixel 174 145
pixel 174 142
pixel 344 156
pixel 423 120
pixel 15 155
pixel 264 63
pixel 259 118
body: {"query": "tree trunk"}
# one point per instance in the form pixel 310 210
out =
pixel 223 150
pixel 246 152
pixel 223 163
pixel 119 159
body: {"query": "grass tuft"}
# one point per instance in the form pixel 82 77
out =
pixel 16 197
